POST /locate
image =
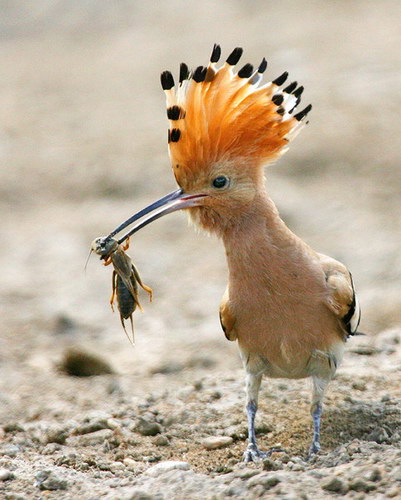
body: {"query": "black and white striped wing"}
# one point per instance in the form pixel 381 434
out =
pixel 353 317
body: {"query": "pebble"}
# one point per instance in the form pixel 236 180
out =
pixel 379 435
pixel 130 463
pixel 92 426
pixel 56 434
pixel 265 480
pixel 93 438
pixel 393 492
pixel 359 386
pixel 269 464
pixel 361 485
pixel 167 466
pixel 146 428
pixel 335 484
pixel 246 473
pixel 374 474
pixel 11 450
pixel 6 475
pixel 216 442
pixel 161 441
pixel 48 480
pixel 13 427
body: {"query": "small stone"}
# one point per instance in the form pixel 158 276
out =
pixel 269 464
pixel 6 475
pixel 354 447
pixel 359 386
pixel 216 442
pixel 266 480
pixel 335 484
pixel 386 398
pixel 246 473
pixel 94 438
pixel 130 463
pixel 298 467
pixel 393 492
pixel 237 432
pixel 166 466
pixel 47 480
pixel 146 428
pixel 374 474
pixel 56 434
pixel 379 435
pixel 361 485
pixel 161 441
pixel 13 427
pixel 113 424
pixel 92 426
pixel 11 450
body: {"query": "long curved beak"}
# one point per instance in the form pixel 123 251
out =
pixel 177 200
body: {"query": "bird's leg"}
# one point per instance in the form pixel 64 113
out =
pixel 319 386
pixel 252 453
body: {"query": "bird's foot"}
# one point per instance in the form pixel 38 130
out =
pixel 253 454
pixel 313 450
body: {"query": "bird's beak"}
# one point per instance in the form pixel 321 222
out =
pixel 177 200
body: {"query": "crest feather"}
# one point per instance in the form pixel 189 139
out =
pixel 217 114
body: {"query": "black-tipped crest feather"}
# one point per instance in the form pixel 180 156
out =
pixel 278 99
pixel 298 92
pixel 303 113
pixel 281 79
pixel 175 135
pixel 184 72
pixel 262 66
pixel 246 71
pixel 216 53
pixel 235 56
pixel 199 74
pixel 291 87
pixel 167 80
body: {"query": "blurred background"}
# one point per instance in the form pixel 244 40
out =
pixel 83 146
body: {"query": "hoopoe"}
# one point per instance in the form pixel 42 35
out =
pixel 289 308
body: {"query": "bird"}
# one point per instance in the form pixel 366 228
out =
pixel 289 308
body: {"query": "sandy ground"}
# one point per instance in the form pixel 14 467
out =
pixel 82 146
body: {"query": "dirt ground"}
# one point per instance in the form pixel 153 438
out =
pixel 83 146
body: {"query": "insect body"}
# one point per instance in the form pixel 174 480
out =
pixel 125 277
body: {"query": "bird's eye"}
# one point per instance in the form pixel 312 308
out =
pixel 220 182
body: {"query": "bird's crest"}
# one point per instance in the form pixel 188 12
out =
pixel 217 114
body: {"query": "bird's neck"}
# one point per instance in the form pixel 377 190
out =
pixel 259 242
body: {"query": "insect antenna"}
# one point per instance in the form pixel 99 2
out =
pixel 87 259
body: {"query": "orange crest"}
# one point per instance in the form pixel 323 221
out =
pixel 217 115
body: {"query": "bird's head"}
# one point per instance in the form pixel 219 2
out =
pixel 224 127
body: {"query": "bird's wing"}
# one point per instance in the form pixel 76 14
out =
pixel 342 299
pixel 227 320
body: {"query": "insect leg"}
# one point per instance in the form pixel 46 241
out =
pixel 114 286
pixel 145 287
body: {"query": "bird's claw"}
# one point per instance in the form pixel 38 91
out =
pixel 313 450
pixel 253 454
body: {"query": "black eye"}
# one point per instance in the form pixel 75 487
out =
pixel 220 182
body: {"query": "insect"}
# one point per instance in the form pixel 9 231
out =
pixel 125 278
